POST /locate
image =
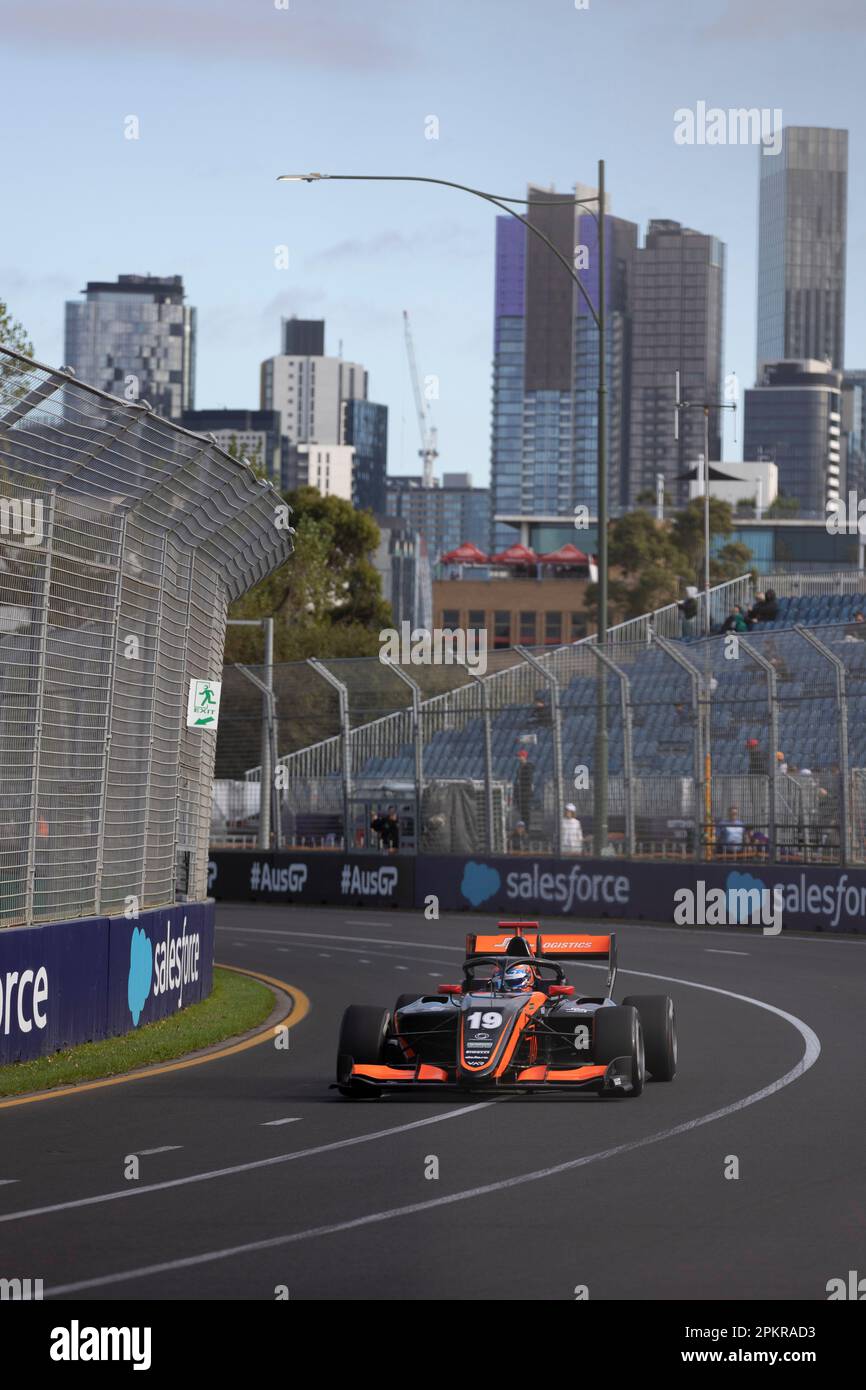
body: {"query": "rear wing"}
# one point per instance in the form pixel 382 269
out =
pixel 522 939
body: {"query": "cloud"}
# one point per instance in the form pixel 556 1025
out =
pixel 449 237
pixel 780 19
pixel 198 31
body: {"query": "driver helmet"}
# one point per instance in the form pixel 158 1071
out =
pixel 517 978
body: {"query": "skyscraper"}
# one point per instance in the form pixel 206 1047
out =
pixel 676 308
pixel 135 338
pixel 794 417
pixel 365 426
pixel 545 360
pixel 446 514
pixel 801 247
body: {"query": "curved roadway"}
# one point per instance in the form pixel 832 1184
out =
pixel 254 1176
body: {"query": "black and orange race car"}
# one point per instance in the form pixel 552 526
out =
pixel 513 1024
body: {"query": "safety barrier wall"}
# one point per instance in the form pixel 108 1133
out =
pixel 66 983
pixel 812 897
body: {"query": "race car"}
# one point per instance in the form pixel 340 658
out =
pixel 512 1024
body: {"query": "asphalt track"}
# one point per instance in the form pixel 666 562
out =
pixel 259 1176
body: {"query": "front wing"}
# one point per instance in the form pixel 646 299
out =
pixel 616 1076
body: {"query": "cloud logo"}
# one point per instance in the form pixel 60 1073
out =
pixel 480 882
pixel 744 883
pixel 140 972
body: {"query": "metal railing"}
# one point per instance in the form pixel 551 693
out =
pixel 731 747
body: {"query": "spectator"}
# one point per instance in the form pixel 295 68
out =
pixel 519 840
pixel 731 833
pixel 572 831
pixel 856 631
pixel 735 622
pixel 540 709
pixel 765 608
pixel 781 762
pixel 689 610
pixel 757 758
pixel 523 785
pixel 387 827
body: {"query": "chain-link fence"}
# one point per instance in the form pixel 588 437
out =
pixel 734 747
pixel 122 540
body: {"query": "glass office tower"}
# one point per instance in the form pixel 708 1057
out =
pixel 801 247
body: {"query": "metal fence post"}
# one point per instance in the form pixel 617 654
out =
pixel 488 762
pixel 772 770
pixel 41 667
pixel 345 741
pixel 553 685
pixel 700 687
pixel 628 787
pixel 267 716
pixel 109 716
pixel 842 711
pixel 417 743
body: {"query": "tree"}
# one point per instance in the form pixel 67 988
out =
pixel 650 566
pixel 327 598
pixel 12 333
pixel 688 532
pixel 783 506
pixel 650 561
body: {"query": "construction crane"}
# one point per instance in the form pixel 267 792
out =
pixel 428 453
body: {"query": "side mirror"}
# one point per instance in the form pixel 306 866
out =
pixel 449 989
pixel 561 989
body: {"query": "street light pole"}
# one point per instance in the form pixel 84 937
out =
pixel 600 827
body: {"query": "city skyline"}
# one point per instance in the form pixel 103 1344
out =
pixel 196 194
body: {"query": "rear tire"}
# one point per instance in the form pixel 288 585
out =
pixel 659 1025
pixel 617 1033
pixel 362 1039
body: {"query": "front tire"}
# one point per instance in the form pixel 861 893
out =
pixel 362 1039
pixel 617 1033
pixel 659 1025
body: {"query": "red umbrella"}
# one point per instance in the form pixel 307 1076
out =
pixel 516 555
pixel 567 554
pixel 465 554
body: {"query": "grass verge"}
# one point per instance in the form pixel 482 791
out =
pixel 236 1004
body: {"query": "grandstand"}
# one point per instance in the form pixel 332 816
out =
pixel 694 726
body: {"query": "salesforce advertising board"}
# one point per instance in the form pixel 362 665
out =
pixel 72 982
pixel 804 898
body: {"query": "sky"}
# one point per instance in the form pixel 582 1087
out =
pixel 228 94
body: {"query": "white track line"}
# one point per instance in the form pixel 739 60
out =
pixel 119 1194
pixel 163 1149
pixel 717 951
pixel 811 1053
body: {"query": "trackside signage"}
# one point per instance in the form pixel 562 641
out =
pixel 159 962
pixel 80 981
pixel 313 878
pixel 53 983
pixel 800 898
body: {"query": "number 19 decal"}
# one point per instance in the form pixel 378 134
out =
pixel 491 1019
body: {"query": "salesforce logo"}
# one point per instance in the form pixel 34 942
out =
pixel 168 966
pixel 480 882
pixel 140 973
